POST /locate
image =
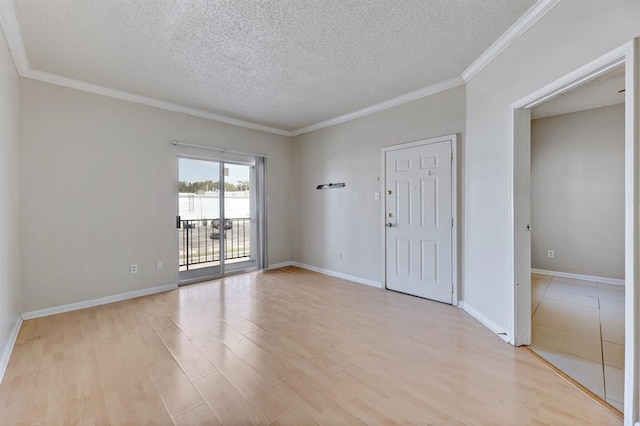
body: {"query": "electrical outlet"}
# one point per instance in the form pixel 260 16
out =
pixel 134 269
pixel 551 254
pixel 376 196
pixel 159 264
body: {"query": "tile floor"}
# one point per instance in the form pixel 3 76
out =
pixel 578 326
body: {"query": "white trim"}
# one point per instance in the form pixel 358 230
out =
pixel 16 45
pixel 279 265
pixel 131 97
pixel 519 298
pixel 330 273
pixel 97 302
pixel 9 23
pixel 420 142
pixel 632 233
pixel 484 320
pixel 454 205
pixel 383 215
pixel 520 264
pixel 454 217
pixel 6 354
pixel 390 103
pixel 583 74
pixel 614 281
pixel 522 25
pixel 520 219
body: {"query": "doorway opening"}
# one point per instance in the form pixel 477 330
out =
pixel 217 218
pixel 520 332
pixel 577 234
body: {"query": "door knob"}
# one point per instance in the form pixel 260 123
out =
pixel 389 225
pixel 389 192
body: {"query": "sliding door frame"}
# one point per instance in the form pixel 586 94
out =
pixel 255 215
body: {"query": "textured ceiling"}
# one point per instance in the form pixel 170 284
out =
pixel 596 93
pixel 285 64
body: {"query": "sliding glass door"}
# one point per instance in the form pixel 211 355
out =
pixel 217 218
pixel 240 217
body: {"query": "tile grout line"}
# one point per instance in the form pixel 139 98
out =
pixel 540 301
pixel 600 340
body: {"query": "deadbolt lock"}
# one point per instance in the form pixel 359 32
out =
pixel 389 192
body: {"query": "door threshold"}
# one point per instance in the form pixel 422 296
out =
pixel 419 297
pixel 215 277
pixel 199 279
pixel 604 404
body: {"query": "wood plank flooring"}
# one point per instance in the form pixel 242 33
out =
pixel 285 347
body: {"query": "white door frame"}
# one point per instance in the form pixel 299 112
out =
pixel 520 291
pixel 454 211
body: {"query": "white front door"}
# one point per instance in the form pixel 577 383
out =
pixel 419 220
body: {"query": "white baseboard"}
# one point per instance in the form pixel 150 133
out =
pixel 330 273
pixel 6 354
pixel 614 281
pixel 484 320
pixel 279 265
pixel 97 302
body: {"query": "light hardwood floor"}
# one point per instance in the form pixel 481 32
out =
pixel 287 347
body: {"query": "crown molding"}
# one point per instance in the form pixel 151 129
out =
pixel 402 99
pixel 9 23
pixel 131 97
pixel 526 21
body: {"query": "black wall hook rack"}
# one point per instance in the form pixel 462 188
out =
pixel 331 185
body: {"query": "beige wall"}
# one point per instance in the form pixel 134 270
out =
pixel 349 220
pixel 9 199
pixel 569 36
pixel 115 155
pixel 577 192
pixel 98 183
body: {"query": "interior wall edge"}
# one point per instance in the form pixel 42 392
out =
pixel 6 355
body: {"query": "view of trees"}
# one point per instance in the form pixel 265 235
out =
pixel 194 187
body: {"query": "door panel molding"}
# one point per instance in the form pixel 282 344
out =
pixel 430 163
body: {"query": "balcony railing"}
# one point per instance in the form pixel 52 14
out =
pixel 199 240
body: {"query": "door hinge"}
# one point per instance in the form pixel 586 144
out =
pixel 452 222
pixel 451 155
pixel 178 222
